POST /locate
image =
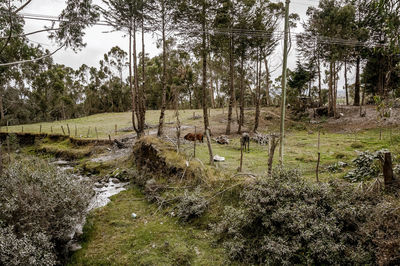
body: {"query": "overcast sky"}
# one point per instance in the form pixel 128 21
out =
pixel 99 39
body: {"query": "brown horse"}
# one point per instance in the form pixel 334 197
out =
pixel 193 137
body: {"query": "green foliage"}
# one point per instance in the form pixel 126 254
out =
pixel 367 167
pixel 383 107
pixel 28 249
pixel 40 208
pixel 285 220
pixel 336 167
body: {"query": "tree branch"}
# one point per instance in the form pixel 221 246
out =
pixel 22 7
pixel 33 60
pixel 29 33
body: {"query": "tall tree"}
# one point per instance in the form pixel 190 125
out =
pixel 129 16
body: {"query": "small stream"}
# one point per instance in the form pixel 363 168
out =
pixel 102 193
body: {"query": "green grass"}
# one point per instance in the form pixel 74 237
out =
pixel 300 146
pixel 301 151
pixel 113 237
pixel 104 123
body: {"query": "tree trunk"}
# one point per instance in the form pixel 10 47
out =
pixel 1 108
pixel 334 89
pixel 178 121
pixel 330 100
pixel 204 57
pixel 164 74
pixel 136 82
pixel 231 86
pixel 258 93
pixel 212 100
pixel 346 86
pixel 357 85
pixel 190 100
pixel 268 98
pixel 319 81
pixel 241 98
pixel 143 89
pixel 388 171
pixel 130 78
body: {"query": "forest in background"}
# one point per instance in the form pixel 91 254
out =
pixel 217 54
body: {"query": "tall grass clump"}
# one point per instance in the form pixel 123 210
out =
pixel 40 207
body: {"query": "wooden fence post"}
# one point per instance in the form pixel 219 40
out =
pixel 63 130
pixel 115 129
pixel 274 143
pixel 8 149
pixel 194 144
pixel 319 155
pixel 209 147
pixel 88 132
pixel 69 132
pixel 40 130
pixel 388 171
pixel 51 129
pixel 241 156
pixel 76 131
pixel 22 129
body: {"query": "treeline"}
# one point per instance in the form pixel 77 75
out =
pixel 214 54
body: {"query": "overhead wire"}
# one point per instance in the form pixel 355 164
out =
pixel 235 31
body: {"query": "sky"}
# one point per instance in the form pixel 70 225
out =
pixel 100 40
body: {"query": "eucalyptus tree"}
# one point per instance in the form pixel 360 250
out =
pixel 195 18
pixel 328 23
pixel 383 23
pixel 129 16
pixel 223 43
pixel 267 18
pixel 163 15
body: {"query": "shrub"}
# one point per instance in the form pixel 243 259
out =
pixel 33 249
pixel 367 167
pixel 40 206
pixel 336 167
pixel 285 220
pixel 191 205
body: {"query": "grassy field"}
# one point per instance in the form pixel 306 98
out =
pixel 300 145
pixel 113 237
pixel 104 123
pixel 301 151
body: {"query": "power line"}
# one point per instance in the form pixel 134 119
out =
pixel 235 31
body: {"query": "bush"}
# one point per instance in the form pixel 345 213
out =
pixel 367 167
pixel 285 220
pixel 191 205
pixel 40 207
pixel 33 249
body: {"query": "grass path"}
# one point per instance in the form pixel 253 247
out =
pixel 113 237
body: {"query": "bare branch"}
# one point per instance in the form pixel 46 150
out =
pixel 30 33
pixel 22 7
pixel 33 60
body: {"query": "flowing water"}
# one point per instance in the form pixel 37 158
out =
pixel 102 193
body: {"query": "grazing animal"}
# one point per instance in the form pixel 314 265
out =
pixel 245 141
pixel 193 137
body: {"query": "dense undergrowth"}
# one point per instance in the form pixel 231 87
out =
pixel 40 207
pixel 279 219
pixel 194 212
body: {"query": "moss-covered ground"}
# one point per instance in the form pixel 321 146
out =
pixel 113 237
